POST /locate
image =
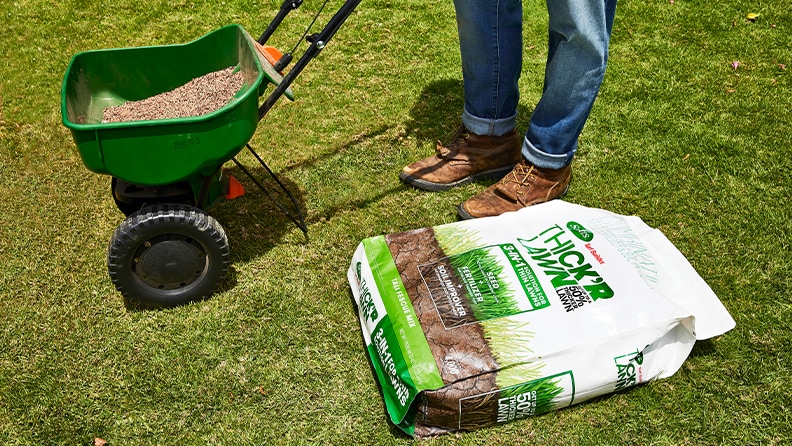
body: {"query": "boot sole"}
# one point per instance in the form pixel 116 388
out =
pixel 495 174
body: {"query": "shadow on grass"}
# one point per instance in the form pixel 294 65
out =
pixel 255 224
pixel 437 114
pixel 263 224
pixel 228 283
pixel 703 348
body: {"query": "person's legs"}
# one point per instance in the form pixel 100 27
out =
pixel 486 146
pixel 490 42
pixel 579 35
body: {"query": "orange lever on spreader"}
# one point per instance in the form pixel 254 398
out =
pixel 270 53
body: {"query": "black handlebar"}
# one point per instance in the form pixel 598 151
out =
pixel 319 41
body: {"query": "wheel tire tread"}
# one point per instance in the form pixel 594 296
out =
pixel 140 222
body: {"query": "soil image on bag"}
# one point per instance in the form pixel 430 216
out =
pixel 439 407
pixel 451 294
pixel 488 321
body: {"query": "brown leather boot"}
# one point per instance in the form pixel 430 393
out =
pixel 524 186
pixel 466 158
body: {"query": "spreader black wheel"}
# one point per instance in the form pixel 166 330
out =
pixel 167 255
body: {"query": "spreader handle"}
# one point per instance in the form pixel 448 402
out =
pixel 286 7
pixel 316 47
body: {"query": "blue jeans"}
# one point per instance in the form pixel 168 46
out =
pixel 490 40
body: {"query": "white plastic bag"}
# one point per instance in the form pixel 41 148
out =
pixel 491 320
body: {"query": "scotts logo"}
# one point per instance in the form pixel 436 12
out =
pixel 580 232
pixel 367 306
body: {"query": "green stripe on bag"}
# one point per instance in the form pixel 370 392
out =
pixel 408 335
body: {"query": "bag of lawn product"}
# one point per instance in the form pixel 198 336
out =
pixel 487 321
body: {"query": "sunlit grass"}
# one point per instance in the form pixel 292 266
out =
pixel 693 143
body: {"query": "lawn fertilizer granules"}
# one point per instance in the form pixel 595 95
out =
pixel 200 96
pixel 487 321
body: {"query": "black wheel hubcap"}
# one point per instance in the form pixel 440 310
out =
pixel 170 262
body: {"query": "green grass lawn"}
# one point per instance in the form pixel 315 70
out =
pixel 691 133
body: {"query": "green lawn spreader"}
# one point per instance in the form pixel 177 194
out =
pixel 167 173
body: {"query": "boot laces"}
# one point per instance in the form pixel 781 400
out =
pixel 522 174
pixel 459 140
